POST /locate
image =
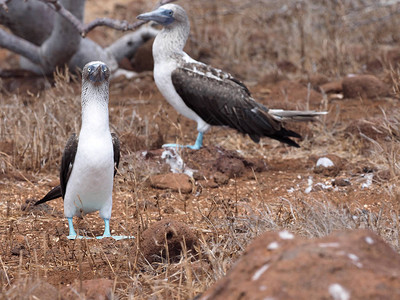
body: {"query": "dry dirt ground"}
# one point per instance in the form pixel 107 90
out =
pixel 239 189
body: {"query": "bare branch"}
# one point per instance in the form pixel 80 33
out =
pixel 20 46
pixel 85 29
pixel 54 4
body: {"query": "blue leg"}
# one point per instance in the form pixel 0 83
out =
pixel 72 234
pixel 106 228
pixel 107 232
pixel 197 145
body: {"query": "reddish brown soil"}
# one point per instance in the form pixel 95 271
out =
pixel 236 180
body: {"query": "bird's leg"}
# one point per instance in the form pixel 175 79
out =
pixel 199 142
pixel 72 234
pixel 197 145
pixel 107 232
pixel 106 229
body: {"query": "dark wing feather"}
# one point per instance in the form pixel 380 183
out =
pixel 116 148
pixel 67 162
pixel 221 100
pixel 53 194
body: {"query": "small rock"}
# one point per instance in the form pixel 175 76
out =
pixel 174 233
pixel 169 210
pixel 328 165
pixel 221 179
pixel 231 167
pixel 94 289
pixel 333 87
pixel 19 250
pixel 35 289
pixel 177 182
pixel 341 182
pixel 364 86
pixel 198 175
pixel 211 184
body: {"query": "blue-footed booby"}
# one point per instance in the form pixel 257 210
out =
pixel 208 95
pixel 90 161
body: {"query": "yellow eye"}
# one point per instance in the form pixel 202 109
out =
pixel 89 69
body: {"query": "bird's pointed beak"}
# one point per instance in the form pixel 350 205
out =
pixel 97 75
pixel 159 15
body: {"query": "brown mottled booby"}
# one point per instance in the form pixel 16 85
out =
pixel 90 161
pixel 208 95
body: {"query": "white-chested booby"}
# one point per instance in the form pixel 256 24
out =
pixel 207 95
pixel 90 161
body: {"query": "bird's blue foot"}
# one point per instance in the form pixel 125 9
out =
pixel 197 145
pixel 107 233
pixel 72 234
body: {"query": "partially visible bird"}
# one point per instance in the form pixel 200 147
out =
pixel 90 161
pixel 207 95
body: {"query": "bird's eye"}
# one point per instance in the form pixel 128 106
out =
pixel 89 69
pixel 104 69
pixel 171 13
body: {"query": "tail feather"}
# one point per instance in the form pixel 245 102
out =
pixel 53 194
pixel 296 115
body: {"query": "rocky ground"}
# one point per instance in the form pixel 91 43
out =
pixel 324 218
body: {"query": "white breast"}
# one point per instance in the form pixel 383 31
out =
pixel 91 182
pixel 163 80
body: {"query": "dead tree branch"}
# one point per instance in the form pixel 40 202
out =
pixel 84 29
pixel 20 46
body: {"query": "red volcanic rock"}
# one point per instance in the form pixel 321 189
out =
pixel 332 87
pixel 230 166
pixel 177 182
pixel 94 289
pixel 164 235
pixel 365 86
pixel 344 265
pixel 36 289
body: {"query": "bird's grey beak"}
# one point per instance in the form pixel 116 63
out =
pixel 159 15
pixel 97 75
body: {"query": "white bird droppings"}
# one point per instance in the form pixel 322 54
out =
pixel 175 161
pixel 368 181
pixel 328 245
pixel 310 183
pixel 338 292
pixel 369 240
pixel 353 257
pixel 273 246
pixel 259 272
pixel 355 260
pixel 286 235
pixel 325 162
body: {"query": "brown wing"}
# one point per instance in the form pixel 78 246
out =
pixel 220 99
